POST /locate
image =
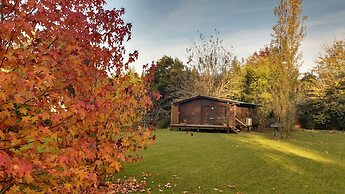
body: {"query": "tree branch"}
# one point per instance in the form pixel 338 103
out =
pixel 43 93
pixel 7 187
pixel 7 45
pixel 63 120
pixel 16 146
pixel 52 42
pixel 2 61
pixel 2 10
pixel 14 6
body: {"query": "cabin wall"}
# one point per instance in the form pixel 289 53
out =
pixel 231 115
pixel 255 116
pixel 190 112
pixel 204 112
pixel 208 113
pixel 242 113
pixel 246 112
pixel 214 112
pixel 174 114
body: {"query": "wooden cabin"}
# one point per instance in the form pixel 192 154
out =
pixel 205 112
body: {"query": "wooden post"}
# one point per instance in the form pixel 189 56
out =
pixel 235 114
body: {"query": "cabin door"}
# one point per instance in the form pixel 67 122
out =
pixel 214 115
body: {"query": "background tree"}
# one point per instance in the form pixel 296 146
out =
pixel 168 76
pixel 324 93
pixel 255 85
pixel 210 63
pixel 65 126
pixel 309 105
pixel 285 61
pixel 331 71
pixel 235 79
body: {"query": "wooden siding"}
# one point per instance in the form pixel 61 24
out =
pixel 231 115
pixel 174 114
pixel 206 112
pixel 190 112
pixel 214 113
pixel 246 112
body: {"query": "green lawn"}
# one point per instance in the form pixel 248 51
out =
pixel 311 162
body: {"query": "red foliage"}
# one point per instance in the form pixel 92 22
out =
pixel 64 124
pixel 262 53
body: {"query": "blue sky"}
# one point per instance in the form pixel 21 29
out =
pixel 168 27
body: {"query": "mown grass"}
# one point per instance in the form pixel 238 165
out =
pixel 311 162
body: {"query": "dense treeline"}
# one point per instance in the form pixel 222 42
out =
pixel 321 92
pixel 322 102
pixel 269 77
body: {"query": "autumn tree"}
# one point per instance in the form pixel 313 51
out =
pixel 255 83
pixel 65 125
pixel 211 64
pixel 309 104
pixel 331 72
pixel 323 106
pixel 285 61
pixel 235 79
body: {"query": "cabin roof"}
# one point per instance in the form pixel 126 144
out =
pixel 225 100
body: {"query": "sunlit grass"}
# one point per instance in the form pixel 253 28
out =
pixel 283 162
pixel 282 146
pixel 310 162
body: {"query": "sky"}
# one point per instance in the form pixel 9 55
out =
pixel 169 27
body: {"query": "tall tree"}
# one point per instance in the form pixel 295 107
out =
pixel 331 71
pixel 65 126
pixel 211 64
pixel 285 61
